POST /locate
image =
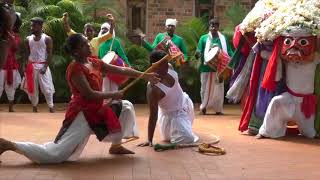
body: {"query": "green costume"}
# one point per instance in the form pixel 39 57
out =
pixel 202 46
pixel 177 40
pixel 117 48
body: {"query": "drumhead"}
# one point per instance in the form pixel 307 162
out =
pixel 213 52
pixel 108 57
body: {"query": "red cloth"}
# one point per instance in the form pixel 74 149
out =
pixel 11 62
pixel 94 111
pixel 309 103
pixel 253 90
pixel 269 79
pixel 244 99
pixel 249 41
pixel 29 75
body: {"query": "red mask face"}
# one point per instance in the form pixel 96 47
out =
pixel 298 48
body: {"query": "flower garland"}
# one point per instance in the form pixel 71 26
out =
pixel 276 16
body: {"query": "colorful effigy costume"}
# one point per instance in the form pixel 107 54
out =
pixel 284 78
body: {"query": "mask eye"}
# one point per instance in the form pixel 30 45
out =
pixel 287 41
pixel 303 42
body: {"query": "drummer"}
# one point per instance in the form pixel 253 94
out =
pixel 112 44
pixel 170 30
pixel 212 88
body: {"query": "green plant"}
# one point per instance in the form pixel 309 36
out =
pixel 235 14
pixel 138 57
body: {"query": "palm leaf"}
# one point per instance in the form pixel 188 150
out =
pixel 70 7
pixel 48 10
pixel 54 28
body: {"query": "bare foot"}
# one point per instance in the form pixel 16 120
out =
pixel 259 136
pixel 118 149
pixel 11 109
pixel 203 111
pixel 5 146
pixel 34 109
pixel 11 106
pixel 252 132
pixel 51 110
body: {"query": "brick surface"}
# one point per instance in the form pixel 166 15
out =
pixel 292 157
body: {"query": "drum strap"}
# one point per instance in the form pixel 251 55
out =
pixel 112 43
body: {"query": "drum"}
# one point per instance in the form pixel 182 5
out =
pixel 112 58
pixel 217 59
pixel 168 46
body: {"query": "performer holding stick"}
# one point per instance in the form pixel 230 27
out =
pixel 86 111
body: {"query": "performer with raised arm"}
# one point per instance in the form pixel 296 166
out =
pixel 89 32
pixel 113 50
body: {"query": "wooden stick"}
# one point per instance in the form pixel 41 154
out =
pixel 163 147
pixel 168 58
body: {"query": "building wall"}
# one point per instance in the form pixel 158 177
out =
pixel 182 10
pixel 221 6
pixel 159 10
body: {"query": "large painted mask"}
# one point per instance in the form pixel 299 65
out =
pixel 299 45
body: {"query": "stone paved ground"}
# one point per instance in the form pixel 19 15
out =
pixel 247 158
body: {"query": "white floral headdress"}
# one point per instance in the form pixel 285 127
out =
pixel 270 18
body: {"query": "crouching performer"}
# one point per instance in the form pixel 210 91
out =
pixel 170 105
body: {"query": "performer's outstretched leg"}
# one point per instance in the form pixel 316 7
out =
pixel 76 136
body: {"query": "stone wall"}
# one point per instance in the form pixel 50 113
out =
pixel 221 7
pixel 182 10
pixel 159 10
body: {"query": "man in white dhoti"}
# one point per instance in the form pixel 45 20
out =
pixel 212 87
pixel 7 19
pixel 9 73
pixel 169 105
pixel 39 54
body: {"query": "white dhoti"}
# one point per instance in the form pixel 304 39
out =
pixel 9 89
pixel 71 144
pixel 212 92
pixel 281 109
pixel 127 111
pixel 46 86
pixel 176 126
pixel 109 85
pixel 128 120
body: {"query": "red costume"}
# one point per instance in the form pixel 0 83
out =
pixel 101 119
